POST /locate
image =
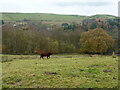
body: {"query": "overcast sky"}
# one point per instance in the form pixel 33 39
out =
pixel 79 7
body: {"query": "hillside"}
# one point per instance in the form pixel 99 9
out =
pixel 104 16
pixel 63 32
pixel 40 16
pixel 49 17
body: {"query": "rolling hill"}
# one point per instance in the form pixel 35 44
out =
pixel 104 16
pixel 49 17
pixel 40 16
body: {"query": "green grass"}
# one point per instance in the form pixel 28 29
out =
pixel 61 71
pixel 105 16
pixel 40 16
pixel 50 17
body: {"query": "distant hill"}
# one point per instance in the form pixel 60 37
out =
pixel 40 16
pixel 49 17
pixel 105 16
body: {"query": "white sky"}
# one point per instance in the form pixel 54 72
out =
pixel 79 7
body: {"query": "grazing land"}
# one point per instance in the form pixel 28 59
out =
pixel 50 17
pixel 40 16
pixel 60 71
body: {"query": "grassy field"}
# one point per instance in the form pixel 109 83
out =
pixel 40 16
pixel 60 71
pixel 49 17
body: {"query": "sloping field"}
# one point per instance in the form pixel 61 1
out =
pixel 50 17
pixel 40 16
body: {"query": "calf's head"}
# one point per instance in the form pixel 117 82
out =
pixel 50 53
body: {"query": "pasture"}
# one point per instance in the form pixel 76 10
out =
pixel 60 71
pixel 40 16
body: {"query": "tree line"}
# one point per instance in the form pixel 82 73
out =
pixel 58 40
